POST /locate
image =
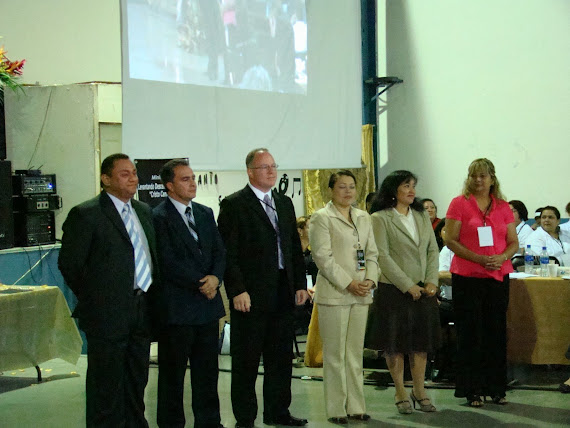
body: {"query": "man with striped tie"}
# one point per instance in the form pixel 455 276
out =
pixel 108 259
pixel 192 260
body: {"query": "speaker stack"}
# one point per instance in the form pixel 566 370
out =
pixel 6 217
pixel 34 201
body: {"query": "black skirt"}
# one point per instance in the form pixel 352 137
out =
pixel 398 324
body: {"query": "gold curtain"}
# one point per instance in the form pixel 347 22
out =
pixel 316 181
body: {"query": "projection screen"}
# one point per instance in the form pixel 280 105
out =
pixel 212 79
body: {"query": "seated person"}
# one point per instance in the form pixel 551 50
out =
pixel 536 223
pixel 369 198
pixel 431 209
pixel 523 230
pixel 438 233
pixel 566 226
pixel 549 235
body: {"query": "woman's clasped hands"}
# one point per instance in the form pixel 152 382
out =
pixel 360 288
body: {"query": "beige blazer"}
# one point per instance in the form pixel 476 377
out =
pixel 334 242
pixel 402 261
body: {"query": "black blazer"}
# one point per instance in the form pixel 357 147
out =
pixel 97 263
pixel 183 264
pixel 251 245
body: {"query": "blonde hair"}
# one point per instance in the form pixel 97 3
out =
pixel 482 165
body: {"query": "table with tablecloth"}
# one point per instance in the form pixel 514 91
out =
pixel 36 326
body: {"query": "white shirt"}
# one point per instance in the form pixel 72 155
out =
pixel 555 247
pixel 565 226
pixel 260 195
pixel 119 205
pixel 181 208
pixel 410 224
pixel 445 258
pixel 523 232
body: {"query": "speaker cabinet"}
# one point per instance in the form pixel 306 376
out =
pixel 6 216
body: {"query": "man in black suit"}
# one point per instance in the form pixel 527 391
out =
pixel 108 259
pixel 192 259
pixel 265 277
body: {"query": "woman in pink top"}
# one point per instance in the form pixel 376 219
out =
pixel 480 230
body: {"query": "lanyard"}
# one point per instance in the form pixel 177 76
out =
pixel 356 229
pixel 484 214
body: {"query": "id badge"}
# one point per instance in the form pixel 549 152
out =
pixel 360 262
pixel 485 236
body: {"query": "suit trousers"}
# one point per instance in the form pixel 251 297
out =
pixel 177 345
pixel 342 329
pixel 480 306
pixel 117 374
pixel 255 333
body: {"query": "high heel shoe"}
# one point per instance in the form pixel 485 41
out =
pixel 425 403
pixel 360 417
pixel 474 400
pixel 404 407
pixel 497 399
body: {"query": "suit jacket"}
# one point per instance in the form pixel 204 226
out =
pixel 403 262
pixel 183 264
pixel 251 243
pixel 334 242
pixel 97 262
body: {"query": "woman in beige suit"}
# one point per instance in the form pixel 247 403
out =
pixel 344 250
pixel 404 317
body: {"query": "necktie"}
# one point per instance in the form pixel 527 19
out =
pixel 272 214
pixel 142 268
pixel 192 223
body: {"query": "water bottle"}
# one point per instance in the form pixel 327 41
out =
pixel 528 260
pixel 543 262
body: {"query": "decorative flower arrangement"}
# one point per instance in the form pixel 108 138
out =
pixel 10 72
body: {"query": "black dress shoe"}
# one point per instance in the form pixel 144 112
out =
pixel 238 425
pixel 564 388
pixel 287 420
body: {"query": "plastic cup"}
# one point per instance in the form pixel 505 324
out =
pixel 553 270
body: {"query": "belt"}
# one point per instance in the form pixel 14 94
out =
pixel 138 292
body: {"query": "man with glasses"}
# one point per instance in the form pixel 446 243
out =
pixel 264 279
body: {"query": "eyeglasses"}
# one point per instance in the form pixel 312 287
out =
pixel 265 167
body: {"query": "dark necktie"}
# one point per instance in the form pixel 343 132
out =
pixel 192 223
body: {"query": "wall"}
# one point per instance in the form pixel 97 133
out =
pixel 63 41
pixel 486 78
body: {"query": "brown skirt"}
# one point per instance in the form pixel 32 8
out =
pixel 398 324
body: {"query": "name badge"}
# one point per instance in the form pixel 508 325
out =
pixel 485 236
pixel 360 262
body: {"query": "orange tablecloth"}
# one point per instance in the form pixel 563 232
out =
pixel 538 321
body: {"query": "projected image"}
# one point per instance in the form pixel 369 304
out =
pixel 246 44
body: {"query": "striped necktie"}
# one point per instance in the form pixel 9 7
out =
pixel 192 223
pixel 272 214
pixel 142 267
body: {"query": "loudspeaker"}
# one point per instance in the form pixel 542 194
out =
pixel 2 128
pixel 34 228
pixel 6 217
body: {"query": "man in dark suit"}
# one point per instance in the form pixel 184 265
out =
pixel 108 259
pixel 265 277
pixel 192 259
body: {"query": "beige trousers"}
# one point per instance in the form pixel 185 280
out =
pixel 342 331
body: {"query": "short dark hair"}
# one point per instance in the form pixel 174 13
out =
pixel 386 196
pixel 539 211
pixel 251 155
pixel 108 165
pixel 167 170
pixel 341 172
pixel 568 207
pixel 437 232
pixel 521 209
pixel 553 209
pixel 370 196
